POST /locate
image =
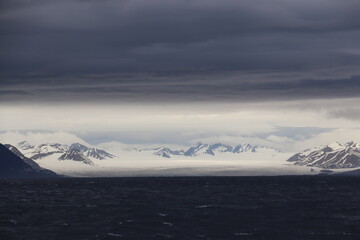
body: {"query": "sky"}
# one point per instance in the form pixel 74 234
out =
pixel 283 73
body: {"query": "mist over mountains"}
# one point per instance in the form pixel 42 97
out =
pixel 70 155
pixel 163 89
pixel 76 158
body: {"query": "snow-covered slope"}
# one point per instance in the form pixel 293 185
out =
pixel 83 160
pixel 75 155
pixel 90 152
pixel 203 149
pixel 167 152
pixel 332 156
pixel 75 152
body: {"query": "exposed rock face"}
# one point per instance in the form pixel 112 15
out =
pixel 75 152
pixel 167 153
pixel 90 152
pixel 75 155
pixel 208 149
pixel 332 156
pixel 13 164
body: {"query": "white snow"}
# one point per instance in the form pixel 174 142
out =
pixel 141 161
pixel 145 163
pixel 335 145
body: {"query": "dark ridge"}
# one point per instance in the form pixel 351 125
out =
pixel 15 165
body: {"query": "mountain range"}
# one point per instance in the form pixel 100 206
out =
pixel 332 156
pixel 209 149
pixel 22 159
pixel 74 152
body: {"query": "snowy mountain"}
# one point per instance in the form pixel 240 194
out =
pixel 208 149
pixel 90 152
pixel 75 155
pixel 167 152
pixel 332 156
pixel 13 164
pixel 44 150
pixel 24 145
pixel 74 152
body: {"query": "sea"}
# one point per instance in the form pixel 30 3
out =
pixel 281 207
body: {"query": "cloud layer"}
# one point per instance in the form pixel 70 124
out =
pixel 137 50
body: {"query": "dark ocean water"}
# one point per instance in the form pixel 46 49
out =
pixel 298 207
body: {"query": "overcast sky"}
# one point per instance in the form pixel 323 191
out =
pixel 177 71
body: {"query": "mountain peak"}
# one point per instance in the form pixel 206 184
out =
pixel 352 144
pixel 335 145
pixel 78 146
pixel 64 151
pixel 75 155
pixel 209 149
pixel 24 145
pixel 332 156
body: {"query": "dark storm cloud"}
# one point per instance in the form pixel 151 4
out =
pixel 183 91
pixel 137 49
